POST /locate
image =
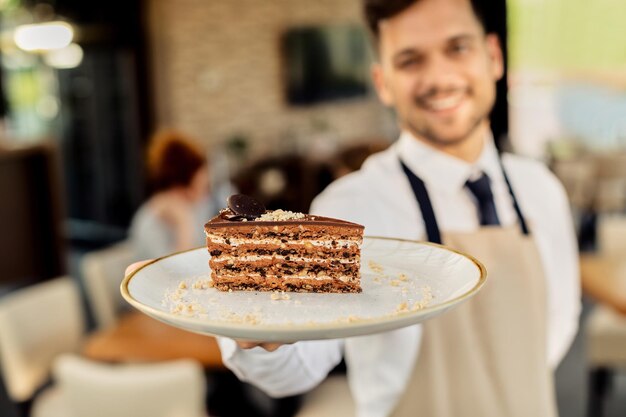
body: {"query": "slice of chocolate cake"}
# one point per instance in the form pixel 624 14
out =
pixel 255 249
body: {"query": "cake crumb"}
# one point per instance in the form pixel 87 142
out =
pixel 402 308
pixel 395 283
pixel 280 295
pixel 187 309
pixel 375 267
pixel 419 305
pixel 403 277
pixel 202 284
pixel 349 319
pixel 251 319
pixel 182 285
pixel 279 215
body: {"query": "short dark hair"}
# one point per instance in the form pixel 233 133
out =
pixel 377 10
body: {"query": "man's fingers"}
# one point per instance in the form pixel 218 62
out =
pixel 248 345
pixel 133 267
pixel 270 347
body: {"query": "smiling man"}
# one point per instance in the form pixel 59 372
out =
pixel 444 181
pixel 438 68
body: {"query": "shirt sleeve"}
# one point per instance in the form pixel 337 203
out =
pixel 289 370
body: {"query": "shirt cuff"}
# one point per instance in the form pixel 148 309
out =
pixel 228 347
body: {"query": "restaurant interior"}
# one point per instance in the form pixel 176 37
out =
pixel 278 96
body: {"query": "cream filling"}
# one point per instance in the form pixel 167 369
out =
pixel 342 278
pixel 340 243
pixel 253 258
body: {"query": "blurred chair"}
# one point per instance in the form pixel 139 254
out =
pixel 288 182
pixel 605 328
pixel 103 272
pixel 92 389
pixel 350 158
pixel 578 176
pixel 331 398
pixel 610 185
pixel 37 324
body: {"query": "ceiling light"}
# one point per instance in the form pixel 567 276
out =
pixel 43 36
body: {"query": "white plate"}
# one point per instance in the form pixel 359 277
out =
pixel 404 282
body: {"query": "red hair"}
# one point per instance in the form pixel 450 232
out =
pixel 173 160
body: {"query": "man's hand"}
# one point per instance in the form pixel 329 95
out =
pixel 270 347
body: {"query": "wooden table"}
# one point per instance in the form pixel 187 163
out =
pixel 140 338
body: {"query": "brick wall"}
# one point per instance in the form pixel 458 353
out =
pixel 217 72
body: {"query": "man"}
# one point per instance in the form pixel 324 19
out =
pixel 444 181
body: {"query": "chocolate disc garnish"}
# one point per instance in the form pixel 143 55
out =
pixel 245 206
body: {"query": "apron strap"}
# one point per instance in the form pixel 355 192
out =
pixel 430 221
pixel 520 216
pixel 421 194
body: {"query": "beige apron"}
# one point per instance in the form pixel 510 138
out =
pixel 487 358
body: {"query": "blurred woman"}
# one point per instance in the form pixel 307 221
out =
pixel 172 218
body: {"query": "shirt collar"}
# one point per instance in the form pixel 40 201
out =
pixel 443 171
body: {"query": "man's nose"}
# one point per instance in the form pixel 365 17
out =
pixel 438 74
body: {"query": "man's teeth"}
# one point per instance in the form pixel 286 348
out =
pixel 444 103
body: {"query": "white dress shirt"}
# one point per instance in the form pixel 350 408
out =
pixel 379 197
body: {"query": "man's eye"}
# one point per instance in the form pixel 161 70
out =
pixel 459 48
pixel 407 63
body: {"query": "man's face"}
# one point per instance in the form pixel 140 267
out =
pixel 438 69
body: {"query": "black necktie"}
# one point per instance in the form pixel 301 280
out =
pixel 481 188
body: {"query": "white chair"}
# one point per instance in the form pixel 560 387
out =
pixel 331 398
pixel 87 388
pixel 37 323
pixel 605 329
pixel 103 272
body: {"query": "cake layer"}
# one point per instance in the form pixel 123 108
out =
pixel 258 283
pixel 222 276
pixel 287 268
pixel 273 258
pixel 284 251
pixel 319 241
pixel 288 232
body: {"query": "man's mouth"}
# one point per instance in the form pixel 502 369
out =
pixel 442 103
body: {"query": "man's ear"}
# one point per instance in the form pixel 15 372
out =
pixel 495 55
pixel 381 86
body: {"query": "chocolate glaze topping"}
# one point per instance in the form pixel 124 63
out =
pixel 221 221
pixel 242 208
